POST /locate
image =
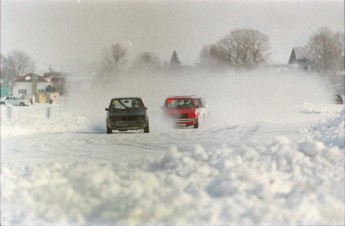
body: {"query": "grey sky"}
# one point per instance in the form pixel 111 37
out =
pixel 75 32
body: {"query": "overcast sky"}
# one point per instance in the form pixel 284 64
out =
pixel 72 32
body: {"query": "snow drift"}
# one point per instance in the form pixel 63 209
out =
pixel 279 184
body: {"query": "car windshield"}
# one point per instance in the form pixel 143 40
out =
pixel 179 103
pixel 126 104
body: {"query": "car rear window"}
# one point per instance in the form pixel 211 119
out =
pixel 126 103
pixel 179 103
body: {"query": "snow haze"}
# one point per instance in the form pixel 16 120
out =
pixel 231 96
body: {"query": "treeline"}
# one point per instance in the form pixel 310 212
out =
pixel 239 49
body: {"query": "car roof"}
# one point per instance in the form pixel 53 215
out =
pixel 126 98
pixel 186 96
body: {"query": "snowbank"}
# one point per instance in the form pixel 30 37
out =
pixel 330 131
pixel 34 120
pixel 284 183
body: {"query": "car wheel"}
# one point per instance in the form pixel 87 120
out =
pixel 108 130
pixel 2 103
pixel 147 128
pixel 21 104
pixel 196 125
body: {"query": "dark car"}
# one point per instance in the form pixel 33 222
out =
pixel 127 113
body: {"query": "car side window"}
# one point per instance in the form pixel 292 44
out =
pixel 203 102
pixel 137 103
pixel 197 102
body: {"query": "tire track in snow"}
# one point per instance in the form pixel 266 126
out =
pixel 132 146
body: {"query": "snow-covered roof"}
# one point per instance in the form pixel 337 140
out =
pixel 53 74
pixel 301 53
pixel 28 78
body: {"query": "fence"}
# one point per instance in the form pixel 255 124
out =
pixel 10 115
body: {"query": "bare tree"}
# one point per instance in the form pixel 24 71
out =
pixel 326 49
pixel 245 47
pixel 147 60
pixel 259 47
pixel 242 48
pixel 17 63
pixel 212 56
pixel 114 58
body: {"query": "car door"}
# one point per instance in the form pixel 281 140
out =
pixel 204 106
pixel 10 101
pixel 15 101
pixel 201 106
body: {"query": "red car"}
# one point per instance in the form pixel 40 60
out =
pixel 183 110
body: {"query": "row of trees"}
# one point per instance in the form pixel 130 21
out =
pixel 241 48
pixel 18 63
pixel 246 48
pixel 116 57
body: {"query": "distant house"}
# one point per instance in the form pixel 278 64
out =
pixel 29 84
pixel 299 60
pixel 34 87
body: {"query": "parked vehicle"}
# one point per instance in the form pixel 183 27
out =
pixel 338 99
pixel 184 110
pixel 339 91
pixel 15 101
pixel 127 113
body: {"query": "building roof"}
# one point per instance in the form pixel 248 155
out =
pixel 53 74
pixel 301 53
pixel 28 78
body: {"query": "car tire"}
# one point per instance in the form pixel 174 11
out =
pixel 147 128
pixel 2 103
pixel 196 125
pixel 108 130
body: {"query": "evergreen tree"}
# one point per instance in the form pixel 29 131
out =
pixel 174 61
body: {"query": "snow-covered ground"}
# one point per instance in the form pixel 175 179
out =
pixel 263 156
